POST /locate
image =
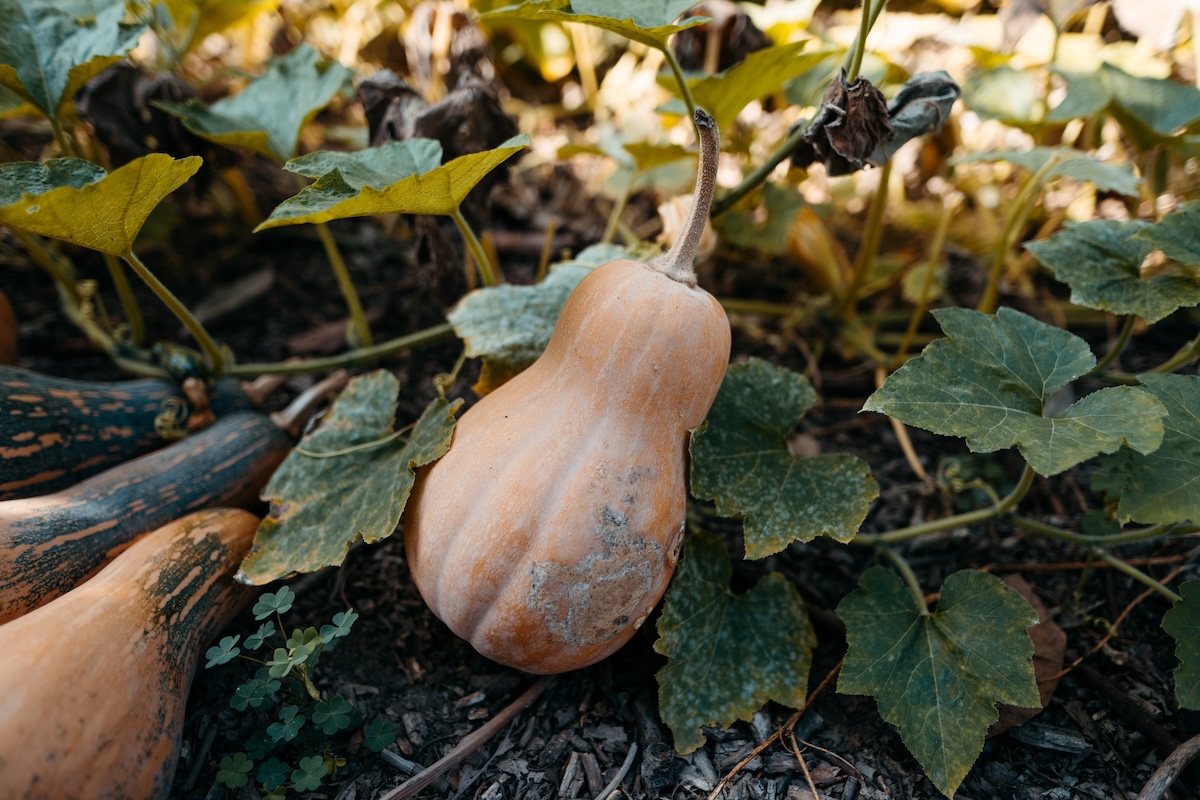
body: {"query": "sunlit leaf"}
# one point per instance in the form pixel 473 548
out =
pixel 105 215
pixel 35 178
pixel 1069 163
pixel 740 459
pixel 376 167
pixel 1101 261
pixel 268 114
pixel 938 676
pixel 1012 96
pixel 647 21
pixel 438 190
pixel 1162 486
pixel 989 381
pixel 761 73
pixel 1183 623
pixel 1177 235
pixel 1150 109
pixel 203 17
pixel 320 506
pixel 49 50
pixel 509 326
pixel 728 653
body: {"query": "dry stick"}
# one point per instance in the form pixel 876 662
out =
pixel 812 785
pixel 1170 769
pixel 906 445
pixel 470 743
pixel 778 734
pixel 621 773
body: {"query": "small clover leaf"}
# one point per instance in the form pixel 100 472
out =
pixel 233 771
pixel 289 725
pixel 260 744
pixel 281 663
pixel 340 627
pixel 259 637
pixel 332 715
pixel 273 774
pixel 274 602
pixel 223 652
pixel 253 693
pixel 379 733
pixel 303 643
pixel 308 777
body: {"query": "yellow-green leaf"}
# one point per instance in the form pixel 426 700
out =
pixel 938 676
pixel 105 215
pixel 650 22
pixel 203 17
pixel 436 191
pixel 728 653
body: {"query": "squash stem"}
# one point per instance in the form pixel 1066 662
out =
pixel 212 352
pixel 678 262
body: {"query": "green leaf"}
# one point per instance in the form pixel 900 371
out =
pixel 767 236
pixel 1183 623
pixel 378 734
pixel 728 654
pixel 107 214
pixel 303 643
pixel 938 676
pixel 1162 486
pixel 273 774
pixel 333 714
pixel 321 505
pixel 223 652
pixel 271 603
pixel 761 73
pixel 1012 96
pixel 340 627
pixel 289 725
pixel 35 178
pixel 376 167
pixel 1101 261
pixel 253 693
pixel 1150 109
pixel 49 50
pixel 308 777
pixel 508 326
pixel 259 637
pixel 1177 235
pixel 233 771
pixel 740 459
pixel 647 21
pixel 1068 163
pixel 989 381
pixel 437 190
pixel 266 117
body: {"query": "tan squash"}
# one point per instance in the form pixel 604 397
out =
pixel 549 531
pixel 95 683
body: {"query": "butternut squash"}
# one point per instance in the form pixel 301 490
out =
pixel 55 432
pixel 95 683
pixel 548 532
pixel 50 544
pixel 8 332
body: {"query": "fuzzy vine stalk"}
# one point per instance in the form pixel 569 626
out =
pixel 678 262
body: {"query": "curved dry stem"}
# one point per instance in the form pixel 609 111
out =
pixel 677 263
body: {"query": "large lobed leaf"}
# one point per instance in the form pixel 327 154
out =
pixel 989 381
pixel 1162 486
pixel 105 214
pixel 1150 109
pixel 938 676
pixel 1177 235
pixel 1006 94
pixel 49 49
pixel 509 326
pixel 740 460
pixel 650 22
pixel 1069 163
pixel 1183 623
pixel 320 506
pixel 395 178
pixel 728 654
pixel 35 178
pixel 267 115
pixel 1101 261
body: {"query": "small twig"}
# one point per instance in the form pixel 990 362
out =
pixel 812 785
pixel 470 743
pixel 620 776
pixel 401 763
pixel 906 445
pixel 293 418
pixel 1170 769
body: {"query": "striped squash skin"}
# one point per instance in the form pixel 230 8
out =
pixel 96 682
pixel 55 432
pixel 50 544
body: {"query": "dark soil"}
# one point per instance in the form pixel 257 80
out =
pixel 1111 721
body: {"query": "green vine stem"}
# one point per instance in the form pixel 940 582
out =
pixel 1103 540
pixel 614 216
pixel 685 91
pixel 949 206
pixel 759 174
pixel 869 246
pixel 488 273
pixel 359 332
pixel 216 359
pixel 1018 214
pixel 1185 355
pixel 133 314
pixel 854 57
pixel 1122 339
pixel 910 578
pixel 997 509
pixel 1135 573
pixel 59 272
pixel 426 336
